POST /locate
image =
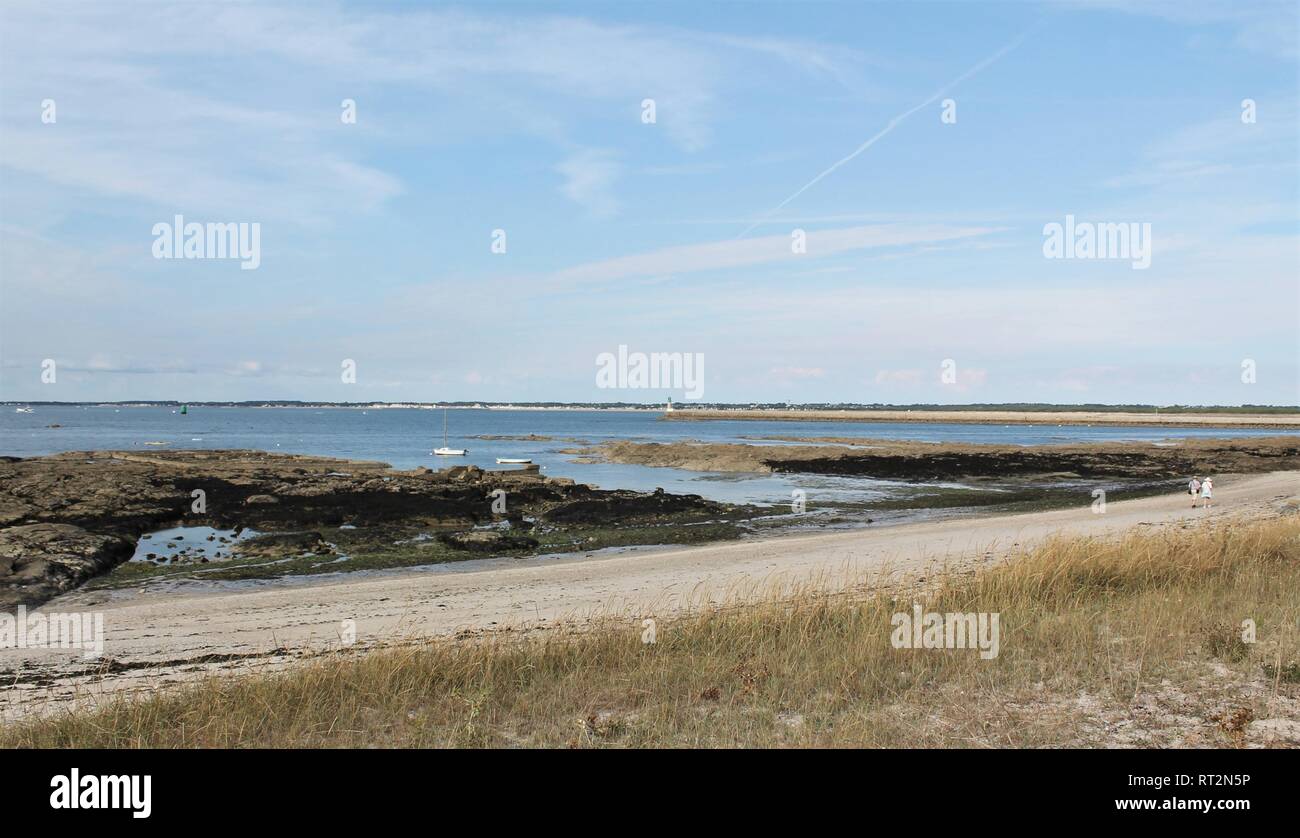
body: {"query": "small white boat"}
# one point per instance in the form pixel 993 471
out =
pixel 513 461
pixel 23 410
pixel 444 451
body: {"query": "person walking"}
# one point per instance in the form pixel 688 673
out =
pixel 1193 489
pixel 1207 492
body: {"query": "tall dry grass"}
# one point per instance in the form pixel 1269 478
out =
pixel 1130 641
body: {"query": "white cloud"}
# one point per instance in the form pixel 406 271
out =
pixel 1261 27
pixel 787 374
pixel 738 253
pixel 1213 149
pixel 589 177
pixel 182 109
pixel 898 377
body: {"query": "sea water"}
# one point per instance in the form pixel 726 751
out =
pixel 406 437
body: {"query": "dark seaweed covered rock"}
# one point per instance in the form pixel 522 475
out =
pixel 487 541
pixel 39 561
pixel 628 507
pixel 90 507
pixel 277 545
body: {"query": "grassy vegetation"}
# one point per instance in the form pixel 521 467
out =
pixel 1135 641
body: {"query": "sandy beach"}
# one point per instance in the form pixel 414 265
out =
pixel 162 637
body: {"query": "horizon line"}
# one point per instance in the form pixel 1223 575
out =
pixel 685 406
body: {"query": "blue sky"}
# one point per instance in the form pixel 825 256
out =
pixel 664 237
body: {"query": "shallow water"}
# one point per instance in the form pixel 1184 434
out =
pixel 193 543
pixel 405 437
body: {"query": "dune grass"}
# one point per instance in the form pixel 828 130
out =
pixel 1135 641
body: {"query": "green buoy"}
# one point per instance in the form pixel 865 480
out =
pixel 185 409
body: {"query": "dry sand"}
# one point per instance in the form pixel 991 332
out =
pixel 160 637
pixel 1006 417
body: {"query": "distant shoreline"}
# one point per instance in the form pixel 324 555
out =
pixel 350 406
pixel 995 417
pixel 1266 416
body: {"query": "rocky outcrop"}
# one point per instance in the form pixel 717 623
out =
pixel 487 541
pixel 626 507
pixel 902 460
pixel 278 545
pixel 1111 460
pixel 66 517
pixel 38 561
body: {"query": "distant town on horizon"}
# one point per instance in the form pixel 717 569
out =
pixel 1026 407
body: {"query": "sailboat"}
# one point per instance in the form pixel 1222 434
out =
pixel 444 451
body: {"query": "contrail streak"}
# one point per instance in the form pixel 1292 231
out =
pixel 893 123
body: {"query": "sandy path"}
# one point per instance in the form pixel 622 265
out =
pixel 164 634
